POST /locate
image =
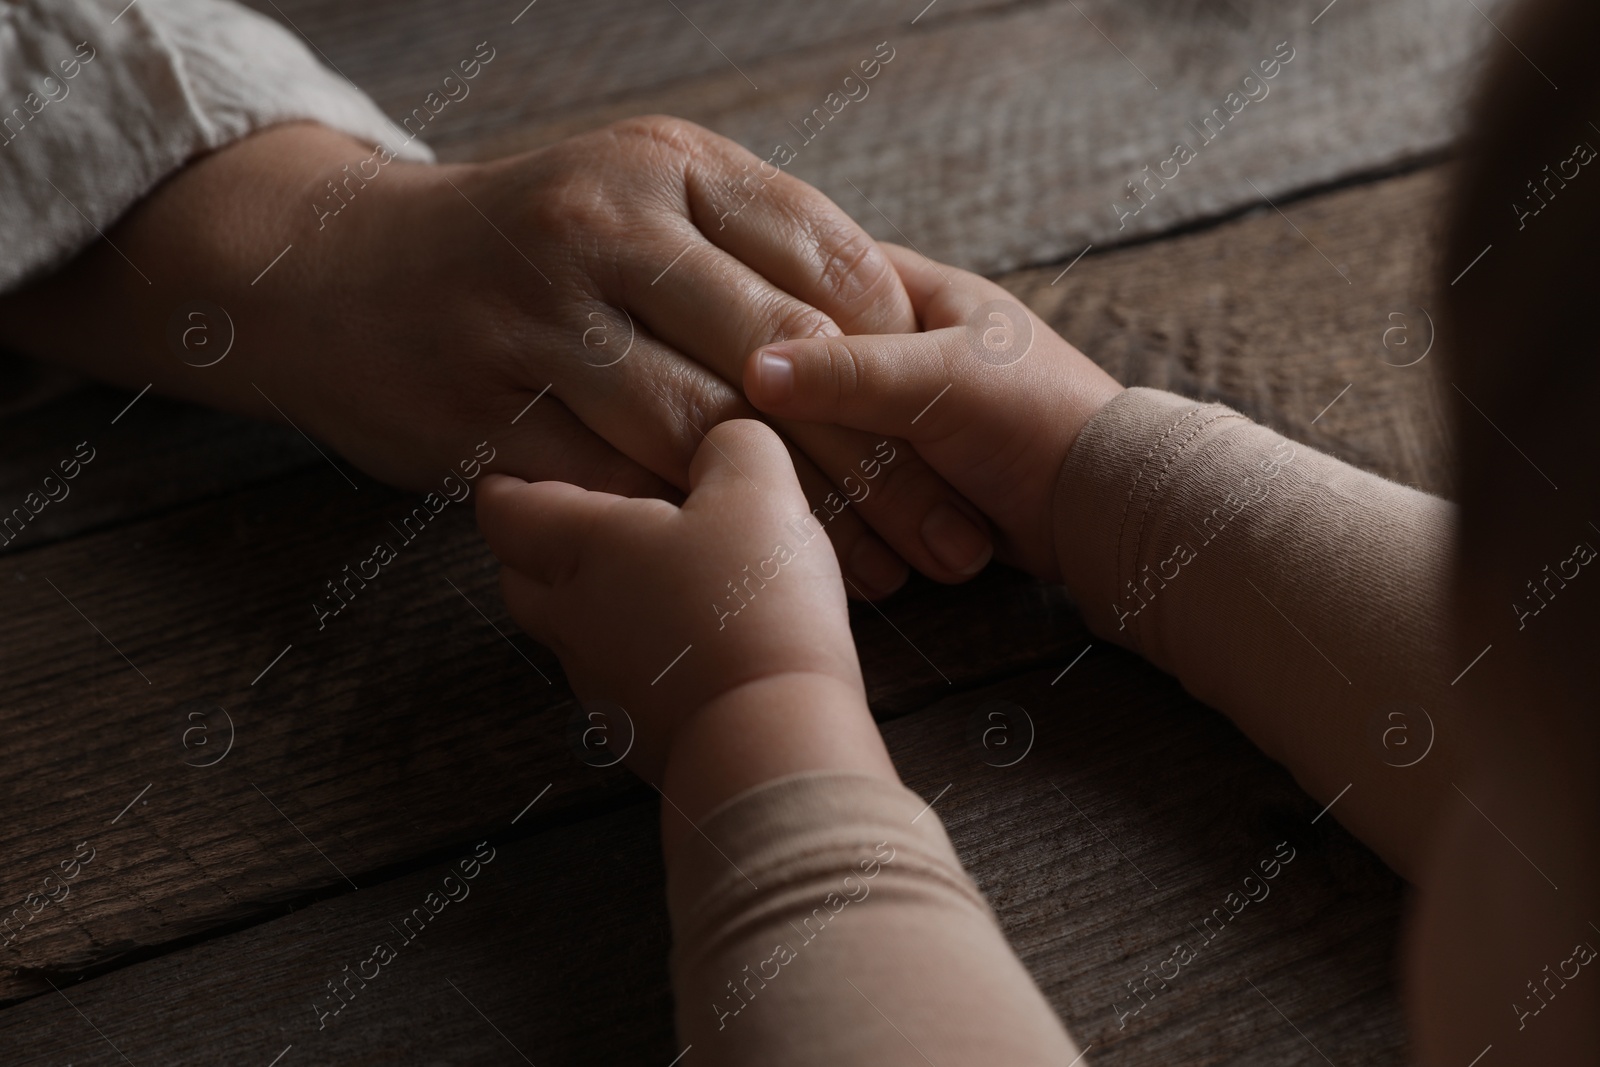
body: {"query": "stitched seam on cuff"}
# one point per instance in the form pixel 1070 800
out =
pixel 1160 481
pixel 1144 464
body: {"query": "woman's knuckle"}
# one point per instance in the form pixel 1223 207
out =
pixel 664 131
pixel 789 319
pixel 700 406
pixel 851 270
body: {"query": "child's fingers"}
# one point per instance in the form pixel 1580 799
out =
pixel 913 386
pixel 531 604
pixel 871 569
pixel 742 456
pixel 540 528
pixel 744 463
pixel 975 332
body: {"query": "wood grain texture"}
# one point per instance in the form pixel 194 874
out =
pixel 555 56
pixel 1257 314
pixel 393 730
pixel 1133 815
pixel 157 454
pixel 998 137
pixel 1003 140
pixel 368 735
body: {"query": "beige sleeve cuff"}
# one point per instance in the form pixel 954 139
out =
pixel 1298 594
pixel 838 897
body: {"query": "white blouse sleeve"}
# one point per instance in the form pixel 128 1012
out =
pixel 102 99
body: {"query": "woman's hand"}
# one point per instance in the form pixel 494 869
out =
pixel 990 396
pixel 404 313
pixel 719 627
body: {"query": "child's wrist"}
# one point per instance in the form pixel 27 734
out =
pixel 1083 405
pixel 762 730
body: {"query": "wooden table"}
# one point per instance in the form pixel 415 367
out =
pixel 242 858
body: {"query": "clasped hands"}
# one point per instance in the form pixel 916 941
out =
pixel 686 361
pixel 714 609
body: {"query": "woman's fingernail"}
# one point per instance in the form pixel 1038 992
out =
pixel 879 571
pixel 955 541
pixel 775 372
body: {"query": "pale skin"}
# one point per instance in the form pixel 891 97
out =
pixel 608 581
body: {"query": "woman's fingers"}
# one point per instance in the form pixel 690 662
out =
pixel 710 306
pixel 686 401
pixel 761 257
pixel 643 397
pixel 883 480
pixel 799 240
pixel 548 441
pixel 870 569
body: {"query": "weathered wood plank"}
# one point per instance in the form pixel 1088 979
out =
pixel 1003 141
pixel 147 458
pixel 553 57
pixel 381 736
pixel 1256 314
pixel 409 693
pixel 1134 814
pixel 999 136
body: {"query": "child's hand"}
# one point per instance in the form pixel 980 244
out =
pixel 991 397
pixel 719 626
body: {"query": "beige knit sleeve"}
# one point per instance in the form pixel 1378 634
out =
pixel 1304 598
pixel 825 918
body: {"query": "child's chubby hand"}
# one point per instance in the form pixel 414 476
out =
pixel 989 396
pixel 723 620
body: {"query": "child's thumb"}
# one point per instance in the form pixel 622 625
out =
pixel 743 457
pixel 888 384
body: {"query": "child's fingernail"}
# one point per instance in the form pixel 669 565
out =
pixel 775 372
pixel 879 571
pixel 955 541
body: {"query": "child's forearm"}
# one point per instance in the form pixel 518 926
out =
pixel 1302 597
pixel 810 882
pixel 838 897
pixel 760 731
